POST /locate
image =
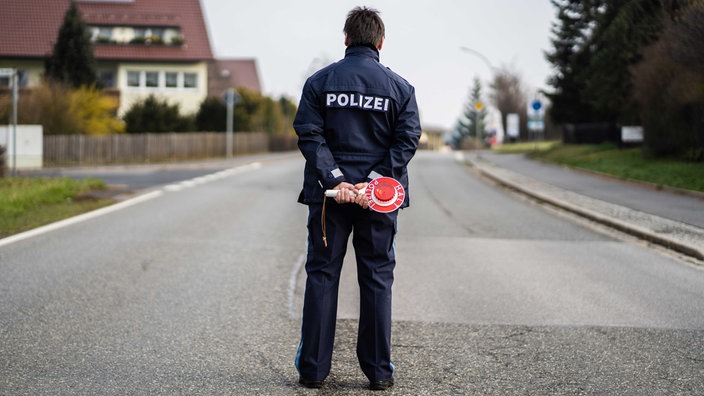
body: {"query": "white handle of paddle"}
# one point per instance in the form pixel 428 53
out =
pixel 333 193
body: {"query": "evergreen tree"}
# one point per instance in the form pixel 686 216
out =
pixel 72 60
pixel 596 43
pixel 623 30
pixel 472 124
pixel 570 56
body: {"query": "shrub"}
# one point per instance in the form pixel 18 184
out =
pixel 62 110
pixel 211 115
pixel 153 115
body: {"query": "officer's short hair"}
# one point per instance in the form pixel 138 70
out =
pixel 364 27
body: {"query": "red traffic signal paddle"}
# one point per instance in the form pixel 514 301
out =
pixel 384 194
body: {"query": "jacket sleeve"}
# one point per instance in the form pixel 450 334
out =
pixel 308 125
pixel 405 141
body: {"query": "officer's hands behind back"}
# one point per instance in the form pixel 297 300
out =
pixel 348 193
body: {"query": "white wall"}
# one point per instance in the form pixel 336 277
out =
pixel 30 146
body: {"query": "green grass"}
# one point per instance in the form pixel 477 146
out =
pixel 26 203
pixel 527 147
pixel 628 164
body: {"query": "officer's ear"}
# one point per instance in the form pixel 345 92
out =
pixel 347 41
pixel 381 44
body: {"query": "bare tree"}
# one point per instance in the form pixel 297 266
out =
pixel 686 37
pixel 508 93
pixel 667 88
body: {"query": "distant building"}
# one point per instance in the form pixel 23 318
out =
pixel 432 138
pixel 142 47
pixel 231 73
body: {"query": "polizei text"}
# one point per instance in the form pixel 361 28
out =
pixel 356 100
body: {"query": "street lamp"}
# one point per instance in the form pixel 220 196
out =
pixel 480 55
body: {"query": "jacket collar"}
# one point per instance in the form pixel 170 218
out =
pixel 362 50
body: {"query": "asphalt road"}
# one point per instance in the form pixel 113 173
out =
pixel 197 290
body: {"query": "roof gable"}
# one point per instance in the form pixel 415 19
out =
pixel 29 27
pixel 232 73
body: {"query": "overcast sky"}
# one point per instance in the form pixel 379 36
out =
pixel 291 39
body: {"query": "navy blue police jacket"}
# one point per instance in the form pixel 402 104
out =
pixel 356 121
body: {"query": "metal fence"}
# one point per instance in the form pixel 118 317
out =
pixel 155 147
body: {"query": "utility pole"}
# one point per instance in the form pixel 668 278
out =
pixel 231 98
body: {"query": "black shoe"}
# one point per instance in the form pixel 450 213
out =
pixel 310 383
pixel 382 385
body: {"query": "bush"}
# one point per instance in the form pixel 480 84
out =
pixel 62 110
pixel 154 116
pixel 96 112
pixel 212 115
pixel 253 112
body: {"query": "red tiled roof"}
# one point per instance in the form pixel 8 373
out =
pixel 28 28
pixel 232 73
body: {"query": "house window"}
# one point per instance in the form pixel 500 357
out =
pixel 107 78
pixel 105 34
pixel 152 79
pixel 157 33
pixel 160 79
pixel 190 80
pixel 171 79
pixel 133 78
pixel 140 32
pixel 22 80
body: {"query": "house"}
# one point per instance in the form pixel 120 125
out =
pixel 142 47
pixel 230 73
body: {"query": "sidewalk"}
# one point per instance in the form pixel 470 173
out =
pixel 668 219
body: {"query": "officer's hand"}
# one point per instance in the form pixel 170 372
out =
pixel 361 199
pixel 346 193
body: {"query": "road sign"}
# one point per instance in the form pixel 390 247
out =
pixel 513 128
pixel 536 105
pixel 231 97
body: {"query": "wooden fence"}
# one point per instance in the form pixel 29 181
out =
pixel 155 147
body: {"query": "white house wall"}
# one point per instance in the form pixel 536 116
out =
pixel 34 69
pixel 188 99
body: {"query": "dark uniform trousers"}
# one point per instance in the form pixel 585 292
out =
pixel 373 241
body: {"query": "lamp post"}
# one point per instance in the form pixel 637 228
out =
pixel 231 99
pixel 479 55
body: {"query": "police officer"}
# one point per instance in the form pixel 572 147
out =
pixel 356 121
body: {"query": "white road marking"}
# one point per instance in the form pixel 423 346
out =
pixel 292 285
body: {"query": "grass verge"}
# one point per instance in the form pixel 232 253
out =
pixel 26 203
pixel 524 147
pixel 627 164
